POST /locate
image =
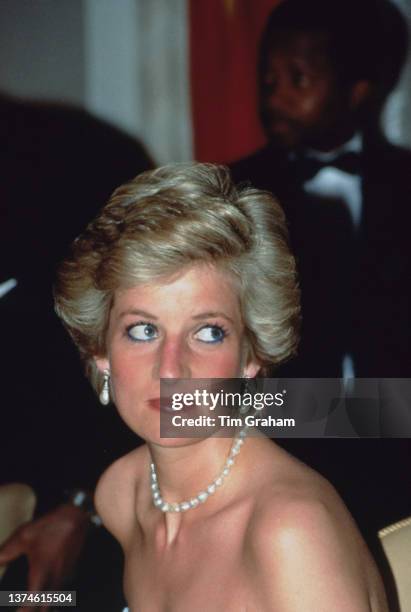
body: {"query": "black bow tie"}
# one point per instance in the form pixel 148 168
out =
pixel 307 167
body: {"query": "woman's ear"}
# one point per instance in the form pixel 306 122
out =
pixel 251 369
pixel 102 364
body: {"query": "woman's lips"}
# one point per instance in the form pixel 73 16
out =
pixel 164 404
pixel 154 403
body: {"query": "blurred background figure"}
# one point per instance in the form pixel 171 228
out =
pixel 323 78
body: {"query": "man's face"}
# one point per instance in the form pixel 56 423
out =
pixel 302 103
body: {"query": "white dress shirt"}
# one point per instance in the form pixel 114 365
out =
pixel 335 184
pixel 7 286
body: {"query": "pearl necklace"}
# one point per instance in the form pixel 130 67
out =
pixel 203 495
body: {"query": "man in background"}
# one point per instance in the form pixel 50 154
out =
pixel 325 71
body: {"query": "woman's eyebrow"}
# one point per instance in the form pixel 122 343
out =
pixel 138 312
pixel 211 314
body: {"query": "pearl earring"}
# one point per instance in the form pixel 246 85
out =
pixel 244 409
pixel 105 391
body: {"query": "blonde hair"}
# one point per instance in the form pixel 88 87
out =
pixel 170 218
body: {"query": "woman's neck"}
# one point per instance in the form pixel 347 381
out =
pixel 183 472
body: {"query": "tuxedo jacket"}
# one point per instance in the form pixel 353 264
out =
pixel 356 286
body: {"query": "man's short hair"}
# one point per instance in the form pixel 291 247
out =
pixel 367 39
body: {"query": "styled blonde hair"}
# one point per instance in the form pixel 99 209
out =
pixel 165 220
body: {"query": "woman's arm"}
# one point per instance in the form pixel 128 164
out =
pixel 310 558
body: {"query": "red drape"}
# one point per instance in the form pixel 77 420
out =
pixel 224 36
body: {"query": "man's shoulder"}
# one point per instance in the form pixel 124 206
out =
pixel 387 186
pixel 66 136
pixel 388 160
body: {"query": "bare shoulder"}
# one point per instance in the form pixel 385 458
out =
pixel 115 493
pixel 306 548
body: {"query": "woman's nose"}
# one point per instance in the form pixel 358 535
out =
pixel 173 360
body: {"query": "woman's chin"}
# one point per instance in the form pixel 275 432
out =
pixel 174 442
pixel 151 432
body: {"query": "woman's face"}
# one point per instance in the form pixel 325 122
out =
pixel 188 327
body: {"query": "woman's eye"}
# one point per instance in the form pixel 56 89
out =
pixel 142 332
pixel 211 334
